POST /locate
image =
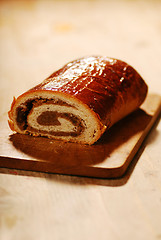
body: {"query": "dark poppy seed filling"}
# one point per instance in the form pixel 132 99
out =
pixel 48 118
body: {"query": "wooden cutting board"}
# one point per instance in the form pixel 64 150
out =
pixel 108 158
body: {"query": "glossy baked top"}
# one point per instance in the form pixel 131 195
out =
pixel 96 81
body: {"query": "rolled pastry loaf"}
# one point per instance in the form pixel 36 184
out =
pixel 80 101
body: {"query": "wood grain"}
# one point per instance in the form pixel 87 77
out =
pixel 36 38
pixel 108 158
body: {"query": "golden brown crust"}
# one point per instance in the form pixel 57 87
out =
pixel 11 125
pixel 12 105
pixel 101 83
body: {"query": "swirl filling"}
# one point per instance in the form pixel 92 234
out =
pixel 49 116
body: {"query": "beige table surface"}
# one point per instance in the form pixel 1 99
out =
pixel 36 38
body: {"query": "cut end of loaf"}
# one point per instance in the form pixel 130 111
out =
pixel 55 115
